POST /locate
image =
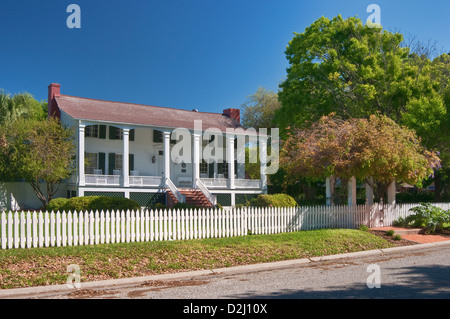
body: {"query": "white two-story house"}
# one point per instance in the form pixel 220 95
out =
pixel 130 150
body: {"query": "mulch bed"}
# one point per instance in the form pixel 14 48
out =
pixel 396 242
pixel 407 240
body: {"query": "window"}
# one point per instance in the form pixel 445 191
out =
pixel 158 137
pixel 95 131
pixel 90 163
pixel 118 161
pixel 116 133
pixel 91 131
pixel 204 168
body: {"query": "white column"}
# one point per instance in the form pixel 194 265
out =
pixel 230 160
pixel 195 159
pixel 125 158
pixel 352 191
pixel 166 141
pixel 81 177
pixel 391 193
pixel 263 161
pixel 240 157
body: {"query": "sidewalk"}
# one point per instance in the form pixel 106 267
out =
pixel 36 292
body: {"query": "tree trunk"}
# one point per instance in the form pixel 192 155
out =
pixel 380 191
pixel 40 195
pixel 438 187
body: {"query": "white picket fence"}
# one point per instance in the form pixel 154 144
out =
pixel 55 229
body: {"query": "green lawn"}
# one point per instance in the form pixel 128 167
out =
pixel 45 266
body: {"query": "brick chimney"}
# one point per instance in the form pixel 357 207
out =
pixel 53 90
pixel 234 114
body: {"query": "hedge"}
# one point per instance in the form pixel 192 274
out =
pixel 274 200
pixel 92 203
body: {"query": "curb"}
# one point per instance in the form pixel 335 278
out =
pixel 35 292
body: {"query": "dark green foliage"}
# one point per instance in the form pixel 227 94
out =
pixel 92 203
pixel 275 200
pixel 414 197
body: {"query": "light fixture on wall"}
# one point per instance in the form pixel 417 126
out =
pixel 153 159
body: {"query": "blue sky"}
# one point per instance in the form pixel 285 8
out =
pixel 204 54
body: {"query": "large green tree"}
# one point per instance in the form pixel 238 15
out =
pixel 343 66
pixel 41 152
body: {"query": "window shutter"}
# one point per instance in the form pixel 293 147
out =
pixel 211 170
pixel 101 162
pixel 111 163
pixel 131 135
pixel 102 131
pixel 112 133
pixel 131 162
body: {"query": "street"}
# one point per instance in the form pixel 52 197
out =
pixel 419 273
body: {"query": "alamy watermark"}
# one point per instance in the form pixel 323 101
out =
pixel 374 20
pixel 220 144
pixel 374 279
pixel 74 19
pixel 74 279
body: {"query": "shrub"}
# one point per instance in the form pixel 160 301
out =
pixel 363 228
pixel 397 237
pixel 92 203
pixel 390 232
pixel 275 200
pixel 426 216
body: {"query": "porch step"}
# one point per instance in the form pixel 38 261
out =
pixel 192 196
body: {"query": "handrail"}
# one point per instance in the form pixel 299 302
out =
pixel 180 197
pixel 212 199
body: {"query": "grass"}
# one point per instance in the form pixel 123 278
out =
pixel 47 266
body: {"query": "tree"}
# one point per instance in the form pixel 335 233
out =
pixel 21 105
pixel 343 66
pixel 39 152
pixel 376 150
pixel 437 137
pixel 259 109
pixel 346 67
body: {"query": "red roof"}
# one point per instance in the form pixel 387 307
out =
pixel 128 113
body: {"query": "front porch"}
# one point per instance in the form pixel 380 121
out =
pixel 139 159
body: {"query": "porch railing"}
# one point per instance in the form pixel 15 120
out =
pixel 146 180
pixel 247 183
pixel 212 199
pixel 93 179
pixel 215 182
pixel 238 183
pixel 155 181
pixel 180 197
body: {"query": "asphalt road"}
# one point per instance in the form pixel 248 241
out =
pixel 412 274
